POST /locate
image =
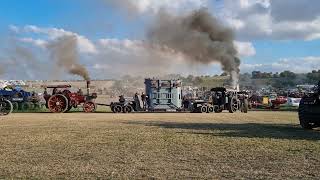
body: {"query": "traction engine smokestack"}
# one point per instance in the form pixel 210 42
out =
pixel 88 87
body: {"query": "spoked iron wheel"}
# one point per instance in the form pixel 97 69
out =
pixel 233 105
pixel 58 103
pixel 210 109
pixel 117 109
pixel 204 109
pixel 127 109
pixel 5 107
pixel 89 107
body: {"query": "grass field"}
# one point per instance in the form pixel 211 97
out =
pixel 256 145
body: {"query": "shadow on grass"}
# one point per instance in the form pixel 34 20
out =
pixel 248 130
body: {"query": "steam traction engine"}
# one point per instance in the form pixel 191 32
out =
pixel 229 100
pixel 63 100
pixel 20 99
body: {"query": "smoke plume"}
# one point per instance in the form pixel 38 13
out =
pixel 200 37
pixel 2 70
pixel 20 56
pixel 64 52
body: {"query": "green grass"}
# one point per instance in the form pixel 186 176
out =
pixel 257 145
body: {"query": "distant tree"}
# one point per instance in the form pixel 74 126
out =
pixel 256 74
pixel 268 75
pixel 245 77
pixel 247 74
pixel 190 78
pixel 288 74
pixel 261 75
pixel 197 80
pixel 314 76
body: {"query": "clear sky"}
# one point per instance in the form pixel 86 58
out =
pixel 270 36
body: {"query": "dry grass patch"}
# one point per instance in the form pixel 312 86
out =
pixel 77 145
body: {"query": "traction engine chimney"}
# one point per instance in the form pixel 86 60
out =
pixel 88 88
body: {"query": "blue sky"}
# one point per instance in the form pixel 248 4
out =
pixel 269 41
pixel 271 50
pixel 75 15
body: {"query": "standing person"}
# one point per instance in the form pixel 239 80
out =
pixel 80 92
pixel 122 99
pixel 136 97
pixel 137 101
pixel 45 93
pixel 46 96
pixel 144 101
pixel 318 88
pixel 54 91
pixel 148 102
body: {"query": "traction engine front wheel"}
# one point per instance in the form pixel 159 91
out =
pixel 89 107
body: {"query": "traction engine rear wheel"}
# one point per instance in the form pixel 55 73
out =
pixel 5 107
pixel 89 107
pixel 233 105
pixel 58 103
